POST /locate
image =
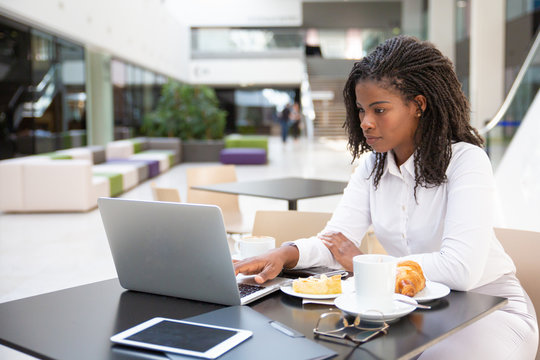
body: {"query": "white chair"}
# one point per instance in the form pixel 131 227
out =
pixel 229 205
pixel 524 247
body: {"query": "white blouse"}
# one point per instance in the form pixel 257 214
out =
pixel 447 229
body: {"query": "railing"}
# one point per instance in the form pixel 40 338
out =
pixel 500 130
pixel 514 89
pixel 42 96
pixel 208 43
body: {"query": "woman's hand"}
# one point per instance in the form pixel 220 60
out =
pixel 267 266
pixel 341 248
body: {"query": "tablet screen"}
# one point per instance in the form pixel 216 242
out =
pixel 183 336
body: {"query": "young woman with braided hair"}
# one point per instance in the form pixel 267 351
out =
pixel 427 189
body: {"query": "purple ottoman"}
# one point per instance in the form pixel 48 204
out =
pixel 243 156
pixel 153 165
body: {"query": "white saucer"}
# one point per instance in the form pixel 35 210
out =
pixel 432 291
pixel 347 287
pixel 347 303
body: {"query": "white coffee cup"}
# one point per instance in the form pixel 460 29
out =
pixel 249 246
pixel 375 281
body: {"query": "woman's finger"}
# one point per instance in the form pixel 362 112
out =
pixel 269 272
pixel 328 244
pixel 249 267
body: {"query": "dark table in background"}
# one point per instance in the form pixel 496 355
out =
pixel 291 189
pixel 77 323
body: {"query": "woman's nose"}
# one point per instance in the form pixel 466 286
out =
pixel 366 123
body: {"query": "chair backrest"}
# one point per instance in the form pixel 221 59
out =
pixel 288 225
pixel 292 225
pixel 165 194
pixel 371 245
pixel 207 175
pixel 524 247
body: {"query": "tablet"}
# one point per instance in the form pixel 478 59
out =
pixel 182 337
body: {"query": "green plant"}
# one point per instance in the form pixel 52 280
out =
pixel 186 111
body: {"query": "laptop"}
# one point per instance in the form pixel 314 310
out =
pixel 176 249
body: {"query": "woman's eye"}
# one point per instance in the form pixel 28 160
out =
pixel 361 111
pixel 379 111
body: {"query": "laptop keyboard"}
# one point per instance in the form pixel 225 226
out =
pixel 246 289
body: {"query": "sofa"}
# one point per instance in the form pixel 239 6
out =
pixel 245 150
pixel 73 179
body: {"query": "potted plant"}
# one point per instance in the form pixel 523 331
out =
pixel 192 113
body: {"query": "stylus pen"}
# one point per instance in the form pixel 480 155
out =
pixel 284 329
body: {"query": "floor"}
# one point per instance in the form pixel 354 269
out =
pixel 41 253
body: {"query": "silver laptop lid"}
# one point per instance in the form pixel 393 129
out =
pixel 173 249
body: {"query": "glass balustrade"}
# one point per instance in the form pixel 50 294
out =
pixel 241 42
pixel 500 131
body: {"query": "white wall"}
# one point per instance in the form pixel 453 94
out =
pixel 247 72
pixel 144 32
pixel 247 13
pixel 518 175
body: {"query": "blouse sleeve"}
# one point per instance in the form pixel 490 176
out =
pixel 351 218
pixel 468 224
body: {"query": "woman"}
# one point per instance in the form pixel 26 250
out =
pixel 295 118
pixel 427 189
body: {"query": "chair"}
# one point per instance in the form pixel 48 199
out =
pixel 229 205
pixel 165 194
pixel 524 247
pixel 288 225
pixel 371 245
pixel 292 225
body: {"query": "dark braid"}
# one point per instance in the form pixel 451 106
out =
pixel 414 67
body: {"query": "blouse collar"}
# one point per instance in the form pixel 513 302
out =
pixel 392 168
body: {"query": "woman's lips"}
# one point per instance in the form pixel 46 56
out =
pixel 372 139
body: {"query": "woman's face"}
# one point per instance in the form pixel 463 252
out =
pixel 388 123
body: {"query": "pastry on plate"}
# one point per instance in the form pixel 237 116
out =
pixel 318 286
pixel 410 278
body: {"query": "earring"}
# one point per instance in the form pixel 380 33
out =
pixel 418 114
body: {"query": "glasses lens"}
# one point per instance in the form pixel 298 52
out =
pixel 362 335
pixel 330 322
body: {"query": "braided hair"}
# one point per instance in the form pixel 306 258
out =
pixel 414 67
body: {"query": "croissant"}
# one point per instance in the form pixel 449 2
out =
pixel 409 278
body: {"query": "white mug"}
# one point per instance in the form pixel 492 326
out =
pixel 375 281
pixel 249 246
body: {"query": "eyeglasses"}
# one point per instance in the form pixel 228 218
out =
pixel 334 325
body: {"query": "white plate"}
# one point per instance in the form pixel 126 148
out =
pixel 347 303
pixel 347 286
pixel 432 291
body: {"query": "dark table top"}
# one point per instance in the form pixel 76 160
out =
pixel 77 323
pixel 292 188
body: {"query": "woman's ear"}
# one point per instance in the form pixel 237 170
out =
pixel 421 101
